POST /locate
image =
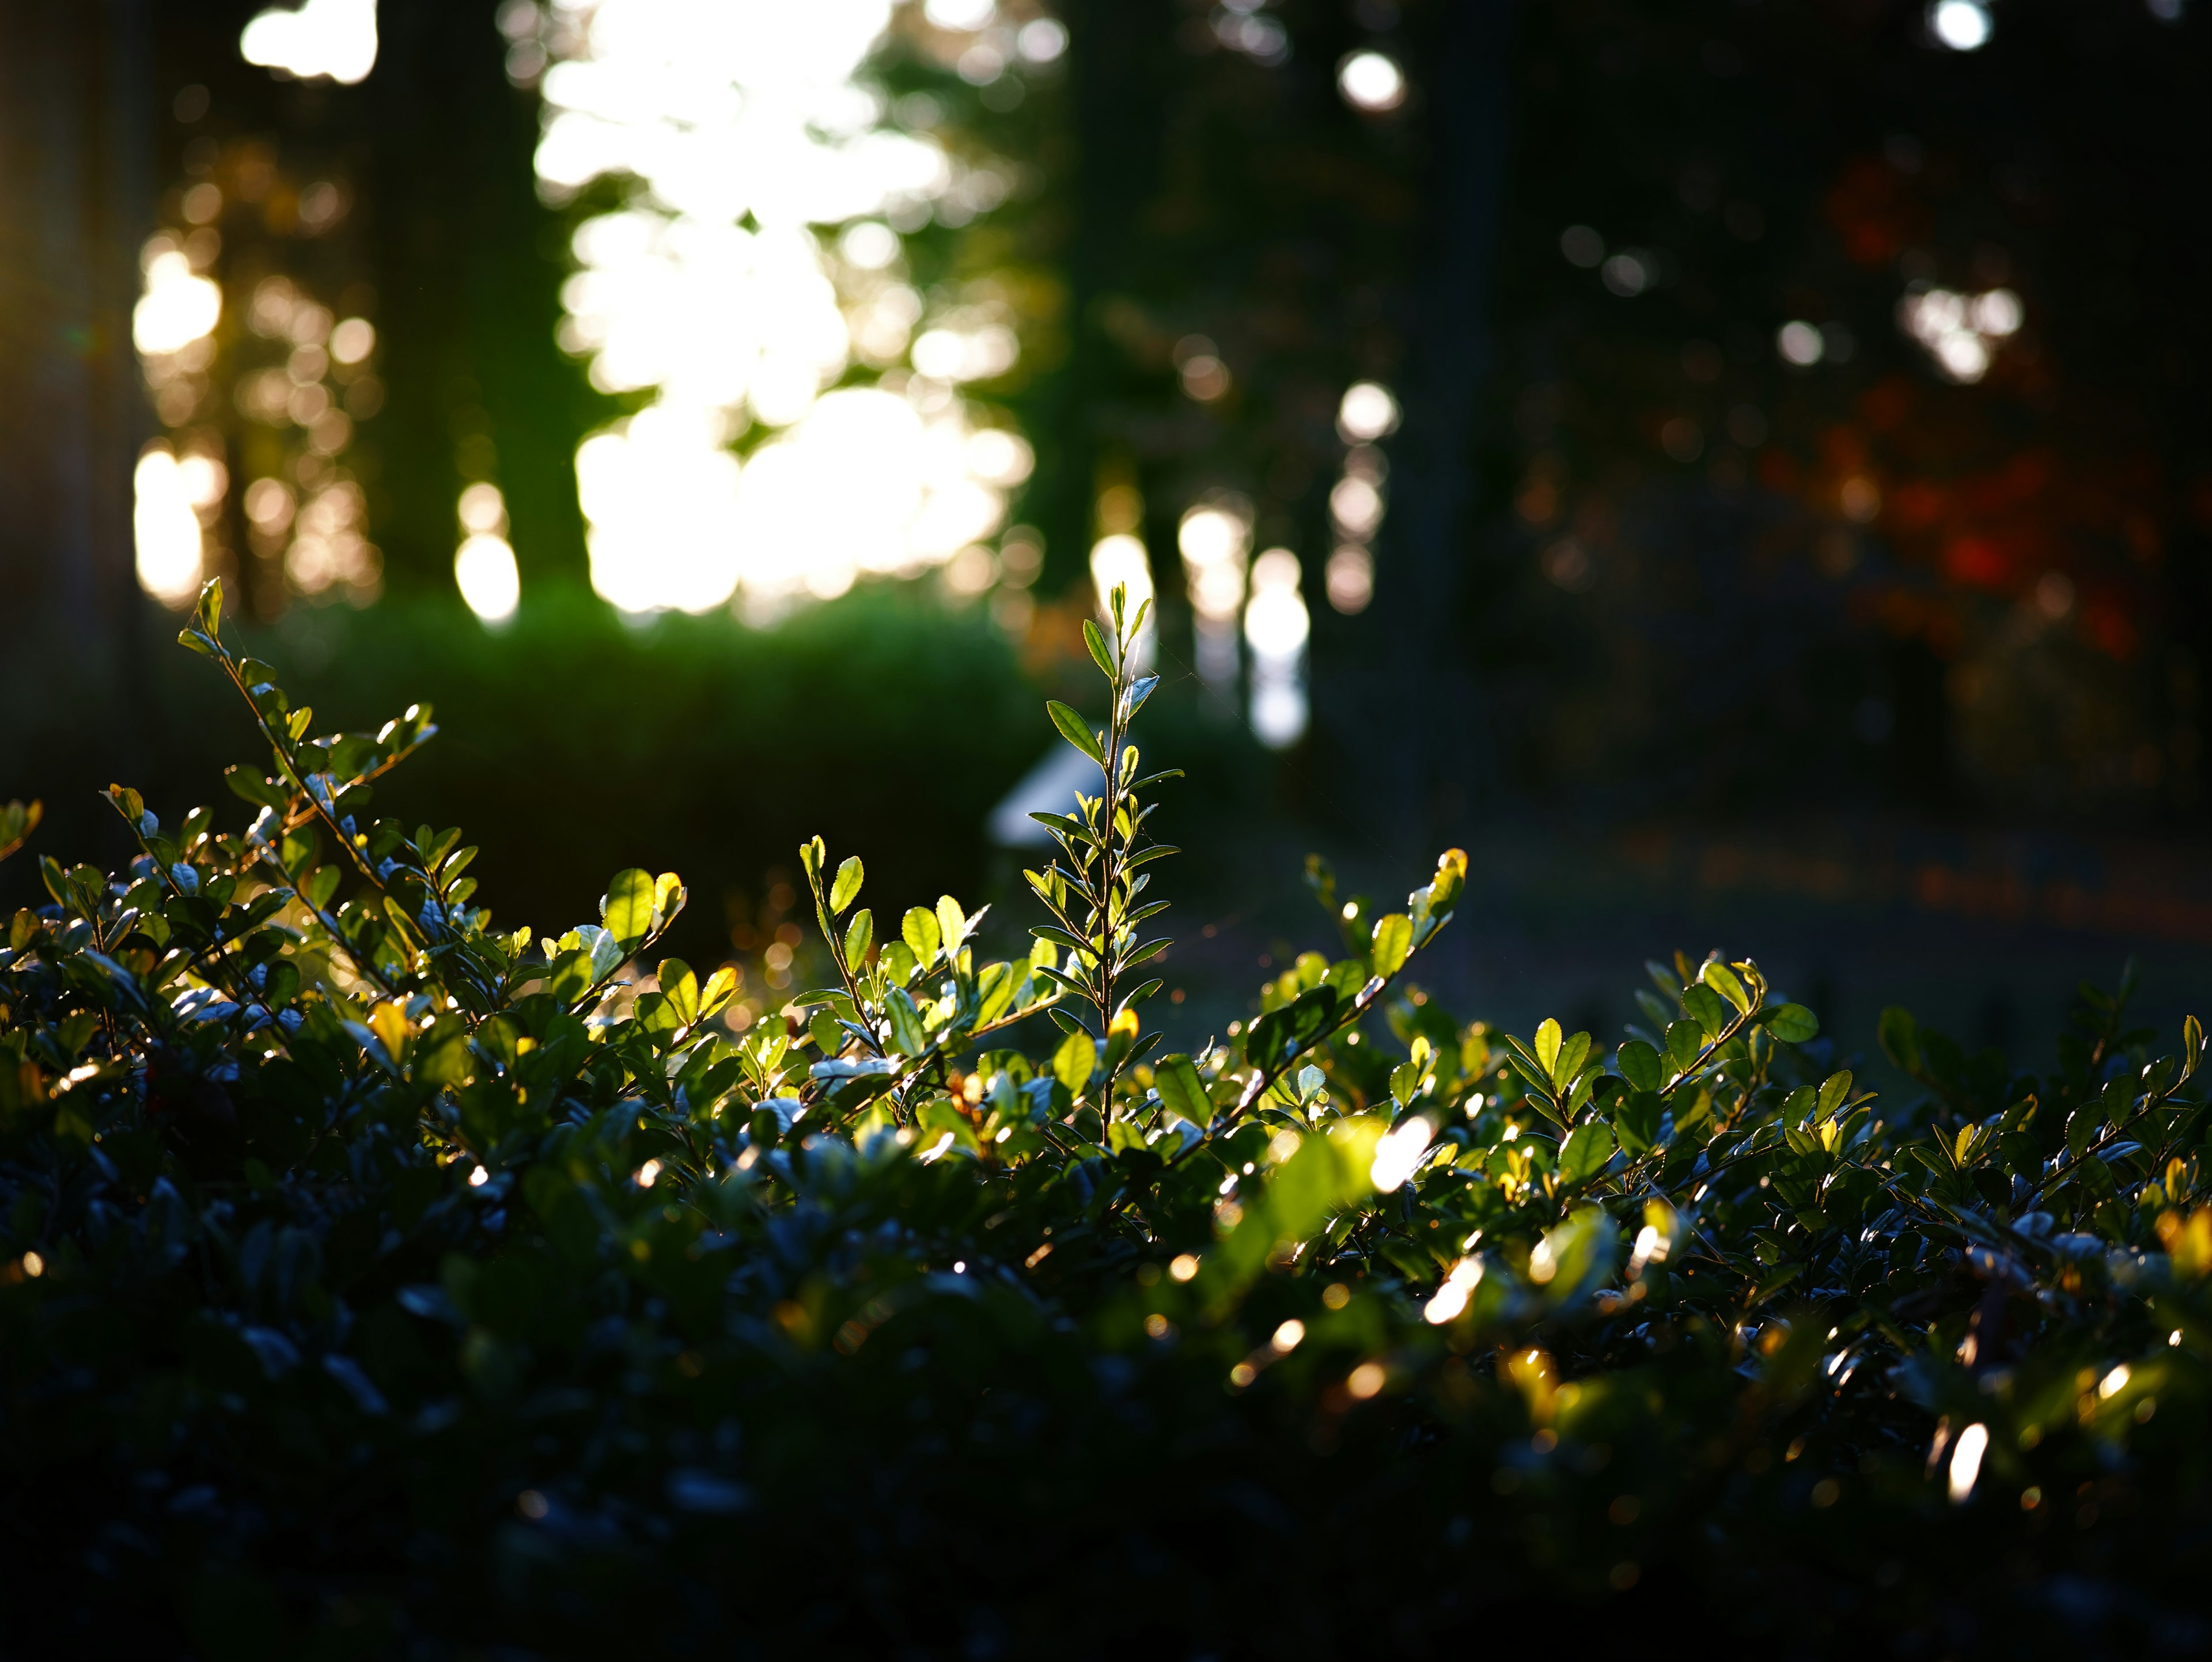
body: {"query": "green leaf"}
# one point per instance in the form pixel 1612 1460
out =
pixel 1636 1119
pixel 847 889
pixel 921 933
pixel 1181 1090
pixel 1585 1152
pixel 627 910
pixel 322 883
pixel 1073 1062
pixel 859 936
pixel 248 783
pixel 1568 1063
pixel 721 987
pixel 907 1036
pixel 681 988
pixel 1793 1024
pixel 995 987
pixel 951 923
pixel 1100 654
pixel 1391 944
pixel 444 1058
pixel 1684 1040
pixel 1639 1065
pixel 1724 981
pixel 1072 729
pixel 1548 1040
pixel 1705 1006
pixel 1835 1091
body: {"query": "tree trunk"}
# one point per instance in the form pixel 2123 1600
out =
pixel 1410 710
pixel 75 97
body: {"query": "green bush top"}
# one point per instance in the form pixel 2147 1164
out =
pixel 372 1278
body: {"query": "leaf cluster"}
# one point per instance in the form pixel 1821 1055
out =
pixel 357 1256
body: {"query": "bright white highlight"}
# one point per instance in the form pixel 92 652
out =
pixel 166 528
pixel 483 510
pixel 963 15
pixel 1651 1247
pixel 744 122
pixel 484 567
pixel 1213 537
pixel 1357 507
pixel 490 581
pixel 1120 560
pixel 333 39
pixel 177 308
pixel 353 340
pixel 1799 343
pixel 1371 81
pixel 1962 331
pixel 2113 1383
pixel 1967 1461
pixel 1451 1297
pixel 1276 625
pixel 1368 412
pixel 1399 1153
pixel 1961 25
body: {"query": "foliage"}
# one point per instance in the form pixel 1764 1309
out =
pixel 675 742
pixel 376 1276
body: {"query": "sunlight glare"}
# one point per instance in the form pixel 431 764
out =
pixel 177 308
pixel 332 38
pixel 758 261
pixel 1961 25
pixel 1276 625
pixel 1371 81
pixel 167 529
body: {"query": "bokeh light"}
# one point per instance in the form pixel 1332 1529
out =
pixel 1799 343
pixel 1367 413
pixel 1119 559
pixel 1960 332
pixel 1371 81
pixel 1213 537
pixel 166 528
pixel 1961 25
pixel 485 567
pixel 1276 626
pixel 179 306
pixel 330 39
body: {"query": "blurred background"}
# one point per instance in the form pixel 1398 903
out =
pixel 1741 469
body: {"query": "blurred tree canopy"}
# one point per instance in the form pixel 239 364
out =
pixel 1688 508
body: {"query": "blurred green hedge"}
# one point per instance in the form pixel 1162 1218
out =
pixel 571 742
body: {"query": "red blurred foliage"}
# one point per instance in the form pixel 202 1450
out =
pixel 1871 213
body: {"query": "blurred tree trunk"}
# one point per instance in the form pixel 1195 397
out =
pixel 1123 65
pixel 75 200
pixel 469 265
pixel 1413 712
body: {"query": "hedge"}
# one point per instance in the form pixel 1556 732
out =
pixel 378 1280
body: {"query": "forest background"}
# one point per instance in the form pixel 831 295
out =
pixel 1784 526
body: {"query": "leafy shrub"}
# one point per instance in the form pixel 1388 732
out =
pixel 376 1278
pixel 686 741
